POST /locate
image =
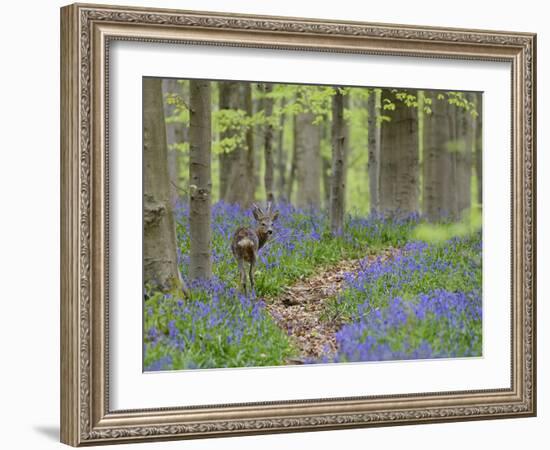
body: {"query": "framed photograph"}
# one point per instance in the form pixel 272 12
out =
pixel 275 224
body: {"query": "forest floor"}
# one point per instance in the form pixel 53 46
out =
pixel 300 309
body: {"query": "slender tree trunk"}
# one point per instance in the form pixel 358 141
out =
pixel 421 104
pixel 292 174
pixel 258 134
pixel 268 145
pixel 160 265
pixel 464 143
pixel 326 181
pixel 200 185
pixel 281 159
pixel 453 178
pixel 326 160
pixel 174 135
pixel 183 153
pixel 479 147
pixel 308 161
pixel 251 179
pixel 399 160
pixel 438 190
pixel 229 98
pixel 374 149
pixel 337 183
pixel 347 148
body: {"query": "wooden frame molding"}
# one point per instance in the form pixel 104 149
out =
pixel 86 32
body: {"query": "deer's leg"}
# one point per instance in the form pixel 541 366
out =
pixel 251 274
pixel 242 273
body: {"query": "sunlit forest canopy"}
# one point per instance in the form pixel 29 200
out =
pixel 429 160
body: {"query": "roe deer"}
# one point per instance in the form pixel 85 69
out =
pixel 247 241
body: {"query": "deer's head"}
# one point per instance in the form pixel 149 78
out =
pixel 265 219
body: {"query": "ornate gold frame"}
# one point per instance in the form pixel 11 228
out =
pixel 86 31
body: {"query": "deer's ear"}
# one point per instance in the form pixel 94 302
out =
pixel 275 215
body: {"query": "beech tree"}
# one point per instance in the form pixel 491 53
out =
pixel 229 101
pixel 281 154
pixel 268 144
pixel 174 133
pixel 337 182
pixel 478 100
pixel 293 162
pixel 200 185
pixel 373 107
pixel 450 132
pixel 242 180
pixel 438 165
pixel 463 139
pixel 326 161
pixel 160 267
pixel 308 160
pixel 399 162
pixel 251 180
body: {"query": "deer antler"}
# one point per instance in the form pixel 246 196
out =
pixel 256 207
pixel 268 207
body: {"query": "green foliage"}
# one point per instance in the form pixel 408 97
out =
pixel 460 101
pixel 388 105
pixel 457 99
pixel 412 99
pixel 209 331
pixel 440 232
pixel 409 99
pixel 182 147
pixel 424 107
pixel 180 111
pixel 316 100
pixel 235 123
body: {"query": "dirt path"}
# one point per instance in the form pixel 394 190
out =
pixel 299 309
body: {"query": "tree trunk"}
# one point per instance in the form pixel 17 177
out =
pixel 347 148
pixel 281 159
pixel 174 135
pixel 337 182
pixel 242 181
pixel 200 185
pixel 229 98
pixel 308 161
pixel 479 147
pixel 251 179
pixel 160 267
pixel 399 160
pixel 464 143
pixel 268 145
pixel 326 160
pixel 373 107
pixel 292 174
pixel 438 190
